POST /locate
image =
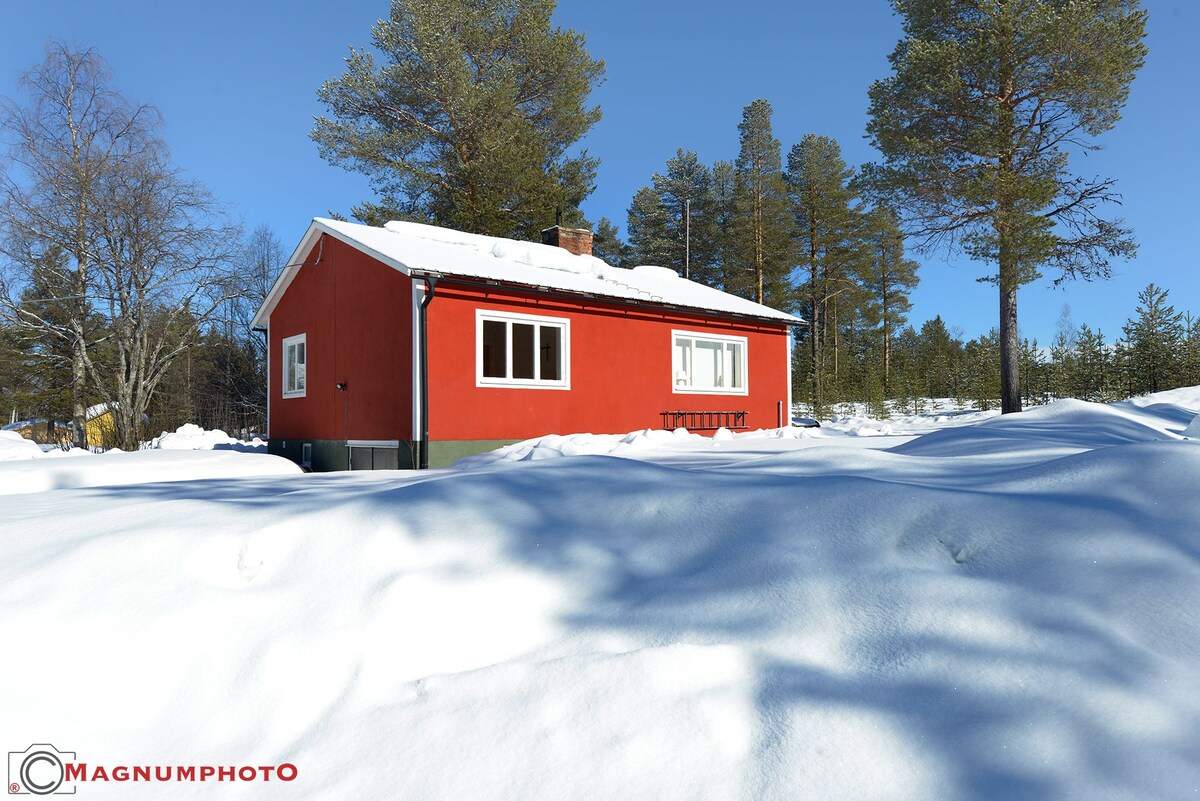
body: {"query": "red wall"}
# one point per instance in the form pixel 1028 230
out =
pixel 357 315
pixel 621 375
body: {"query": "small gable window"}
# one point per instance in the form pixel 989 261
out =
pixel 295 360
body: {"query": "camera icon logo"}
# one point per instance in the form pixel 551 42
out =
pixel 41 769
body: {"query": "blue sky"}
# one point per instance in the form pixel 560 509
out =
pixel 236 83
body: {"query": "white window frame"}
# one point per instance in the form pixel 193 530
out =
pixel 725 341
pixel 562 323
pixel 301 339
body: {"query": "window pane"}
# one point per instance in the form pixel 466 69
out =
pixel 707 358
pixel 293 366
pixel 679 362
pixel 289 369
pixel 495 349
pixel 550 352
pixel 522 350
pixel 736 380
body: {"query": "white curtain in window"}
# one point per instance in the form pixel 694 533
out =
pixel 708 363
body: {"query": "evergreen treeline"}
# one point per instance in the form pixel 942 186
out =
pixel 798 233
pixel 1158 348
pixel 792 233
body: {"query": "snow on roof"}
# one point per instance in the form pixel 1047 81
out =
pixel 33 421
pixel 416 248
pixel 95 410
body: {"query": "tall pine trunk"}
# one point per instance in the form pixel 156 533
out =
pixel 1010 359
pixel 814 324
pixel 814 353
pixel 836 345
pixel 1010 355
pixel 887 337
pixel 759 267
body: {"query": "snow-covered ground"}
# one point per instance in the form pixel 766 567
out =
pixel 998 610
pixel 681 447
pixel 191 437
pixel 26 468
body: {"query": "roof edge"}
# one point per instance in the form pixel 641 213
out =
pixel 321 225
pixel 449 275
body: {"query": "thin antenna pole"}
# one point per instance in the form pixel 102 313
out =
pixel 687 236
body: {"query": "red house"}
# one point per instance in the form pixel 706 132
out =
pixel 411 345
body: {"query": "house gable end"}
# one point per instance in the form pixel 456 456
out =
pixel 299 258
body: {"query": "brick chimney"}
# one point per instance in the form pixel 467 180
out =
pixel 575 240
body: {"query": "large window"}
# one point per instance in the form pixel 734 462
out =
pixel 707 363
pixel 295 359
pixel 522 350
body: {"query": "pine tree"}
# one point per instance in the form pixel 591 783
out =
pixel 937 351
pixel 471 119
pixel 827 229
pixel 1155 338
pixel 724 183
pixel 1092 376
pixel 1124 372
pixel 982 370
pixel 1062 365
pixel 1190 366
pixel 685 192
pixel 43 346
pixel 1035 386
pixel 761 247
pixel 888 278
pixel 608 246
pixel 906 368
pixel 985 103
pixel 649 229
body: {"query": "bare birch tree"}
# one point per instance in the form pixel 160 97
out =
pixel 149 253
pixel 71 132
pixel 165 269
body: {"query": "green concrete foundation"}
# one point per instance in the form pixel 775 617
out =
pixel 447 452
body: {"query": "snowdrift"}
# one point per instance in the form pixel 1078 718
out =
pixel 35 475
pixel 1000 611
pixel 26 468
pixel 14 447
pixel 191 437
